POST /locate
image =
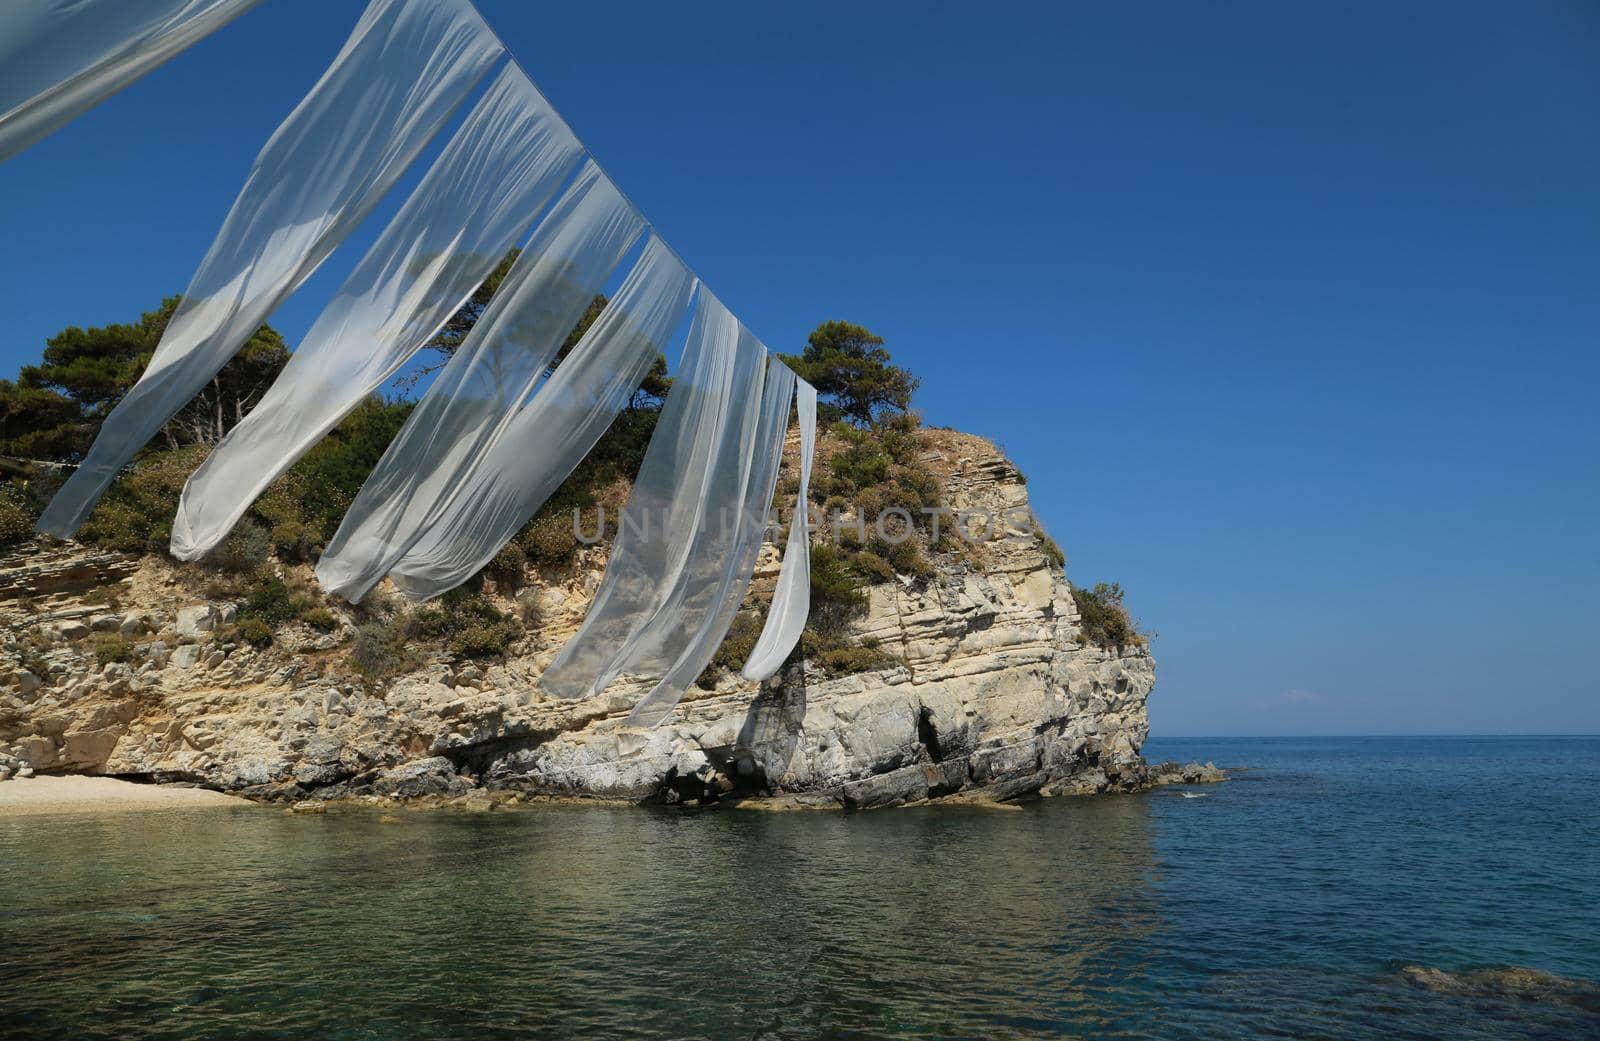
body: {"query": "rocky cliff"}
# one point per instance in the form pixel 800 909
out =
pixel 993 691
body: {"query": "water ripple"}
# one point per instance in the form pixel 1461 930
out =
pixel 1275 908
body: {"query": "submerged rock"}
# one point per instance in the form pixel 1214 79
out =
pixel 1187 773
pixel 1510 982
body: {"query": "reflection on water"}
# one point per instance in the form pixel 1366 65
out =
pixel 579 922
pixel 1070 918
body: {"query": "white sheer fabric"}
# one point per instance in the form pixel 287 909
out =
pixel 719 574
pixel 485 448
pixel 692 464
pixel 502 167
pixel 62 57
pixel 466 411
pixel 554 431
pixel 688 540
pixel 406 68
pixel 791 600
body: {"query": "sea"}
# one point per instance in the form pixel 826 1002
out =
pixel 1283 903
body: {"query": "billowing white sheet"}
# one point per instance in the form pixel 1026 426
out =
pixel 468 408
pixel 552 433
pixel 791 600
pixel 60 58
pixel 486 189
pixel 403 72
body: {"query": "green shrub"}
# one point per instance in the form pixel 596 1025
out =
pixel 274 602
pixel 484 639
pixel 734 650
pixel 847 661
pixel 468 624
pixel 227 587
pixel 244 550
pixel 869 504
pixel 836 595
pixel 16 519
pixel 824 487
pixel 915 490
pixel 135 515
pixel 872 567
pixel 320 618
pixel 1104 619
pixel 303 508
pixel 255 631
pixel 906 558
pixel 430 623
pixel 382 649
pixel 109 647
pixel 508 567
pixel 548 540
pixel 901 438
pixel 281 509
pixel 1047 545
pixel 863 463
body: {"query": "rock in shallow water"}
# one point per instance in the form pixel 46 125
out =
pixel 423 777
pixel 1513 982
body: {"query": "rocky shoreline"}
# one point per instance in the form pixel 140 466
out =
pixel 431 785
pixel 425 786
pixel 991 690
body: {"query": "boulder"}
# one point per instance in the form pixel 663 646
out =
pixel 106 623
pixel 435 775
pixel 25 682
pixel 35 750
pixel 184 656
pixel 197 620
pixel 88 749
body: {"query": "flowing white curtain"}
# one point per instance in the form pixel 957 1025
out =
pixel 466 411
pixel 692 464
pixel 688 539
pixel 499 430
pixel 791 600
pixel 715 583
pixel 406 68
pixel 552 433
pixel 60 58
pixel 498 172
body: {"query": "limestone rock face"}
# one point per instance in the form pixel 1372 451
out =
pixel 994 694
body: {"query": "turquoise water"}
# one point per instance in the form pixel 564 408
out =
pixel 1277 906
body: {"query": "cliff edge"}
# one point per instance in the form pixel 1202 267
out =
pixel 981 683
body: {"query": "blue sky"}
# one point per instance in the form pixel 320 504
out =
pixel 1289 312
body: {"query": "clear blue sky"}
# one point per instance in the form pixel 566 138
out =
pixel 1288 311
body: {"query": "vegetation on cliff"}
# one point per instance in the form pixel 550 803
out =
pixel 1103 617
pixel 875 491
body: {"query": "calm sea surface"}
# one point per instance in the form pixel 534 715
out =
pixel 1277 906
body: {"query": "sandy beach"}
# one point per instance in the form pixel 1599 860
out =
pixel 23 797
